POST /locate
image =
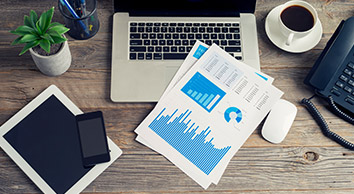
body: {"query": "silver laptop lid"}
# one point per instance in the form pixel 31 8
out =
pixel 223 8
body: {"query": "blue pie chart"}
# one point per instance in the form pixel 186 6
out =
pixel 231 110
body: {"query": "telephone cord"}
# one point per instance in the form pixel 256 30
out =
pixel 323 124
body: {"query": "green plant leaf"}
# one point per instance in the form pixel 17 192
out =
pixel 17 33
pixel 22 30
pixel 27 21
pixel 48 37
pixel 54 24
pixel 53 33
pixel 17 41
pixel 38 28
pixel 45 19
pixel 29 38
pixel 45 45
pixel 28 46
pixel 60 29
pixel 59 39
pixel 33 18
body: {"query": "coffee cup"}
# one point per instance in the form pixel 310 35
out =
pixel 296 20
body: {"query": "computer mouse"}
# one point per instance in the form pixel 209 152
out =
pixel 279 121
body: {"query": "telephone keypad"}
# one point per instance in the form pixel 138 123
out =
pixel 343 78
pixel 351 65
pixel 351 83
pixel 348 72
pixel 335 92
pixel 348 89
pixel 350 101
pixel 339 84
pixel 345 84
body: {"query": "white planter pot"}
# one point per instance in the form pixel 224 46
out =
pixel 53 65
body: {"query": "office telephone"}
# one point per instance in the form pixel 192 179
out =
pixel 332 78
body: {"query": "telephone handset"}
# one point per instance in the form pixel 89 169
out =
pixel 332 78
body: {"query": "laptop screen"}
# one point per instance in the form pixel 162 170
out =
pixel 211 8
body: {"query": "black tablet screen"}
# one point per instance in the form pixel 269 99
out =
pixel 48 140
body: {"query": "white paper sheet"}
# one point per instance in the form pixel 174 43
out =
pixel 239 99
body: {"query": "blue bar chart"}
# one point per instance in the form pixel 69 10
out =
pixel 180 133
pixel 203 92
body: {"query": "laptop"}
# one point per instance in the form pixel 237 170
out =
pixel 152 38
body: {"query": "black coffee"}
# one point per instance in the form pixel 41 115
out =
pixel 297 18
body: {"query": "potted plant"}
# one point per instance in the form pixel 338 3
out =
pixel 46 42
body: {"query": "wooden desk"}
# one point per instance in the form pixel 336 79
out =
pixel 305 162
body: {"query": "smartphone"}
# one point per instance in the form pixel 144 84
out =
pixel 93 139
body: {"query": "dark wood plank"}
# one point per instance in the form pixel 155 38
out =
pixel 15 10
pixel 251 169
pixel 91 88
pixel 87 90
pixel 304 132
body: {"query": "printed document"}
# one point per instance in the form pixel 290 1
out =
pixel 208 111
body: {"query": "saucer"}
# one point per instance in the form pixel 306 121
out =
pixel 297 45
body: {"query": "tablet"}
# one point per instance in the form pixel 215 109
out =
pixel 43 141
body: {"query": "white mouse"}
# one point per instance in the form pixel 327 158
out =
pixel 279 121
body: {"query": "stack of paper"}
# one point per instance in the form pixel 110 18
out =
pixel 208 111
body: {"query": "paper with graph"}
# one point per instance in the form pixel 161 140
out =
pixel 208 114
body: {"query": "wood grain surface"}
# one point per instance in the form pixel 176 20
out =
pixel 305 162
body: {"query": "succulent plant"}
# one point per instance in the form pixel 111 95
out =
pixel 39 31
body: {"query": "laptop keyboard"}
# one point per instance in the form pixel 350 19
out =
pixel 171 41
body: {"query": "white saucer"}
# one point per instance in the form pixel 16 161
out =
pixel 298 45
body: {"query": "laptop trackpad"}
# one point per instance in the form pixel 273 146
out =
pixel 139 82
pixel 170 73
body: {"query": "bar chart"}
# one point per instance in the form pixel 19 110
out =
pixel 203 92
pixel 180 133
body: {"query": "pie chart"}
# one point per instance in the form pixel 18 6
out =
pixel 233 113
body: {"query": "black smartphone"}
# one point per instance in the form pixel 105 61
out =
pixel 93 139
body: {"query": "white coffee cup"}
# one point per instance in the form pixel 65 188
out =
pixel 292 34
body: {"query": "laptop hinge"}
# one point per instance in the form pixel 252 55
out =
pixel 184 14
